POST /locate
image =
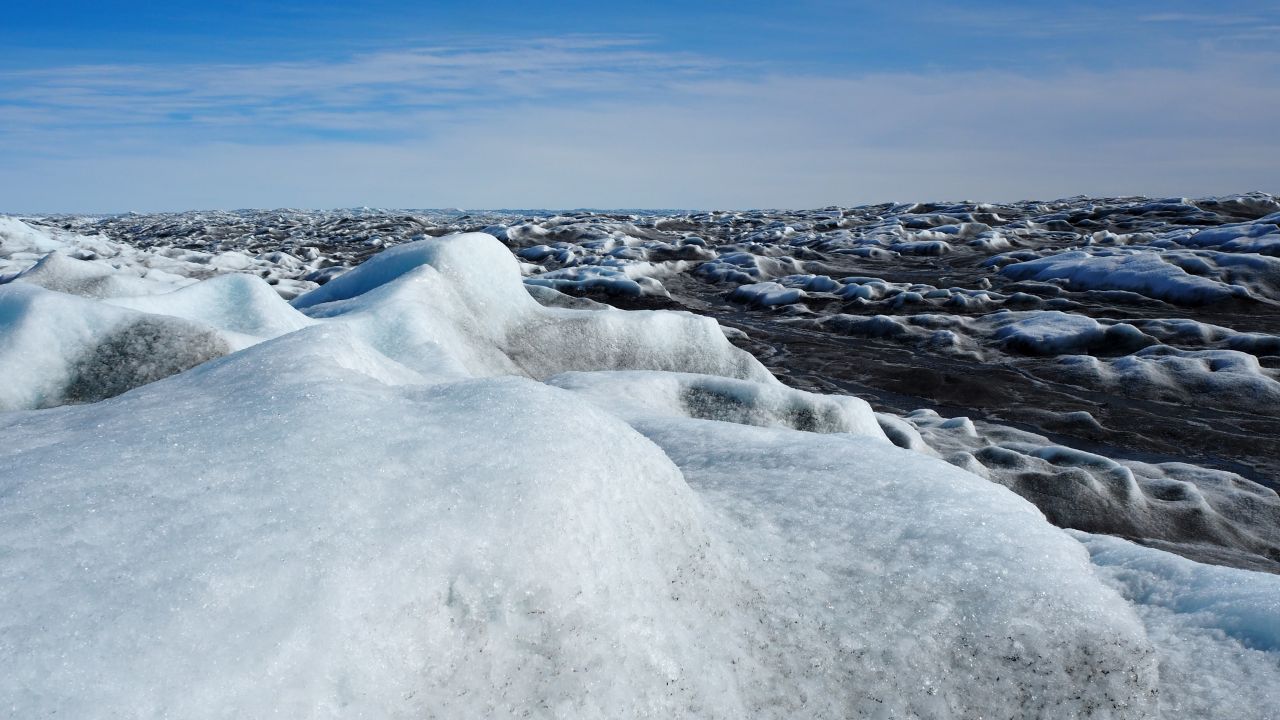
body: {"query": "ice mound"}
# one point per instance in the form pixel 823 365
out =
pixel 96 266
pixel 986 337
pixel 669 394
pixel 296 537
pixel 57 348
pixel 457 306
pixel 19 238
pixel 1146 273
pixel 236 303
pixel 744 267
pixel 1054 333
pixel 380 514
pixel 1261 237
pixel 57 271
pixel 378 270
pixel 1218 377
pixel 629 280
pixel 766 294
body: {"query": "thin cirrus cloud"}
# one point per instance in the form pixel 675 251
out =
pixel 1200 18
pixel 377 92
pixel 611 122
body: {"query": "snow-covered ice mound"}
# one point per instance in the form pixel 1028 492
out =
pixel 58 348
pixel 381 512
pixel 458 305
pixel 60 272
pixel 292 535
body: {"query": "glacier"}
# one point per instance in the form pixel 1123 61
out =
pixel 416 490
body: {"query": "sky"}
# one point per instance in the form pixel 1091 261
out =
pixel 112 106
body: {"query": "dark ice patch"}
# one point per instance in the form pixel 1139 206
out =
pixel 142 352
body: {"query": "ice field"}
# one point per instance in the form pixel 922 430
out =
pixel 378 464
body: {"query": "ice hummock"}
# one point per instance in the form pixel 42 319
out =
pixel 379 510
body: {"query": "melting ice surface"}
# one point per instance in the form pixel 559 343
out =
pixel 429 495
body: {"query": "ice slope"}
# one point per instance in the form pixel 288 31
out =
pixel 673 394
pixel 282 532
pixel 1198 617
pixel 912 617
pixel 375 515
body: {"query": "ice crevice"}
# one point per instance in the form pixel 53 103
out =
pixel 417 492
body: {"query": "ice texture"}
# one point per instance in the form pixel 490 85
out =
pixel 372 508
pixel 1211 515
pixel 1200 616
pixel 383 513
pixel 826 299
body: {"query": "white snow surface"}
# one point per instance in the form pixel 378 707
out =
pixel 377 510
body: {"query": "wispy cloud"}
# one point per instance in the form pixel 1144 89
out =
pixel 610 122
pixel 1112 31
pixel 1220 18
pixel 377 93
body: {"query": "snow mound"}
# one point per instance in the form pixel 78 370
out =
pixel 416 564
pixel 458 306
pixel 236 303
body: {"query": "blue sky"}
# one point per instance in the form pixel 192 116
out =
pixel 114 106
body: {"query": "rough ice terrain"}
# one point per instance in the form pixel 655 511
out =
pixel 239 477
pixel 1142 335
